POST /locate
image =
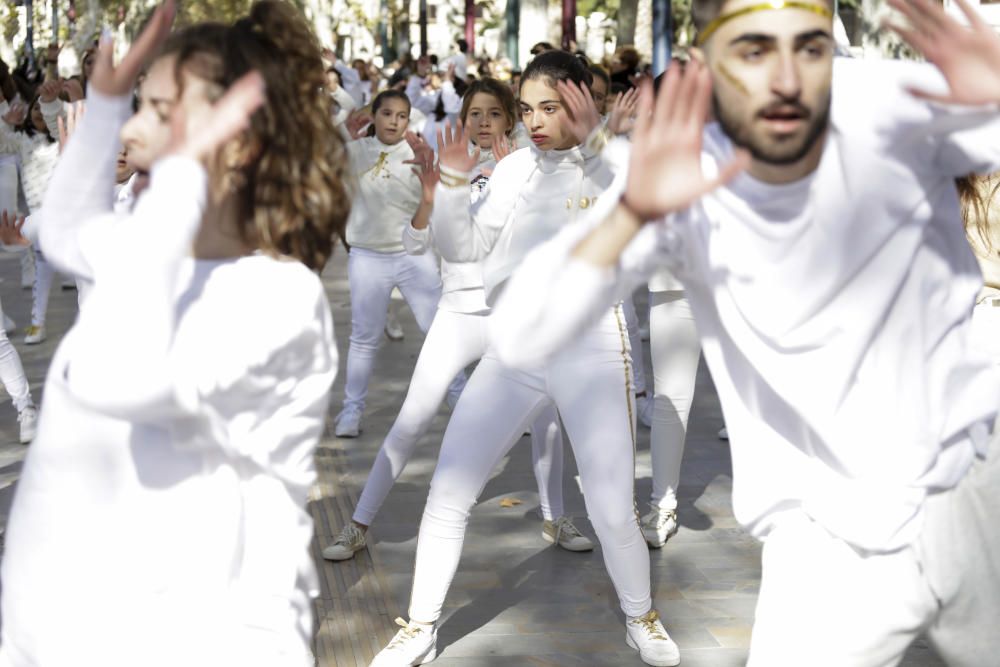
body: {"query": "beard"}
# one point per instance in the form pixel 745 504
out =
pixel 778 153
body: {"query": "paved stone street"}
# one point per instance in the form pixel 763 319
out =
pixel 515 600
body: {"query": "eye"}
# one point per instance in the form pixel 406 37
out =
pixel 550 109
pixel 753 55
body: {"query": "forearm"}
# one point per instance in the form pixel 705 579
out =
pixel 603 247
pixel 453 225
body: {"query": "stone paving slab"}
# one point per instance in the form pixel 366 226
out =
pixel 516 600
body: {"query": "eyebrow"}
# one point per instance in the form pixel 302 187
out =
pixel 761 38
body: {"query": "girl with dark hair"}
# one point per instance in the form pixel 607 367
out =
pixel 387 198
pixel 455 340
pixel 175 449
pixel 981 215
pixel 532 194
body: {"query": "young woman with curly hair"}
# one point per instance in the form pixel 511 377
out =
pixel 175 449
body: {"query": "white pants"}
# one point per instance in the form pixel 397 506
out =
pixel 824 604
pixel 12 372
pixel 675 351
pixel 41 288
pixel 590 384
pixel 635 343
pixel 986 328
pixel 372 277
pixel 454 341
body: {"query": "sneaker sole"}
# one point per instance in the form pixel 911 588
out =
pixel 340 559
pixel 655 544
pixel 665 662
pixel 551 540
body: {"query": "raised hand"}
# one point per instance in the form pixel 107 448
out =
pixel 665 174
pixel 426 170
pixel 49 91
pixel 580 107
pixel 73 90
pixel 968 57
pixel 74 114
pixel 10 230
pixel 117 81
pixel 623 111
pixel 199 128
pixel 453 148
pixel 357 122
pixel 502 147
pixel 16 114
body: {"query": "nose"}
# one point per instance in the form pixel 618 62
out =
pixel 535 120
pixel 785 80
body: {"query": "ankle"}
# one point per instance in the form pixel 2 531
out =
pixel 360 526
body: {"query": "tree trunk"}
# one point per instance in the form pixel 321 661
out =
pixel 627 14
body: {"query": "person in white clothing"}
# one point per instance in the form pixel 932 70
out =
pixel 833 288
pixel 181 447
pixel 12 374
pixel 456 339
pixel 982 223
pixel 386 200
pixel 532 194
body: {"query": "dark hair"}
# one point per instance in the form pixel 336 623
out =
pixel 28 126
pixel 599 72
pixel 540 48
pixel 291 192
pixel 381 99
pixel 976 194
pixel 556 66
pixel 463 45
pixel 499 90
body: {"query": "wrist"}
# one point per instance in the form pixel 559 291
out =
pixel 630 212
pixel 452 177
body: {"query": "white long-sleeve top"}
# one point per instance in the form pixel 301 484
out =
pixel 386 194
pixel 531 196
pixel 834 312
pixel 174 453
pixel 38 155
pixel 462 288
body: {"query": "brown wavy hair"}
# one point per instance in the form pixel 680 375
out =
pixel 292 195
pixel 497 89
pixel 976 194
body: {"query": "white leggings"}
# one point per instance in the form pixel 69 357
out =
pixel 675 351
pixel 590 383
pixel 635 342
pixel 454 341
pixel 40 289
pixel 12 372
pixel 372 276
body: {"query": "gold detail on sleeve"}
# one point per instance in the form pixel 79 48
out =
pixel 569 204
pixel 585 203
pixel 772 5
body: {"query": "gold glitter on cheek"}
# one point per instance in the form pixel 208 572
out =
pixel 733 81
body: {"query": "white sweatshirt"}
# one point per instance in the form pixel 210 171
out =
pixel 174 454
pixel 834 312
pixel 37 154
pixel 531 196
pixel 386 194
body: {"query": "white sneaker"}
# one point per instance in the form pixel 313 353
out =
pixel 348 423
pixel 29 424
pixel 723 433
pixel 644 408
pixel 35 335
pixel 350 541
pixel 393 329
pixel 415 644
pixel 659 526
pixel 647 635
pixel 562 532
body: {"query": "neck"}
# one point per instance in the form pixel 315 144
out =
pixel 219 234
pixel 778 174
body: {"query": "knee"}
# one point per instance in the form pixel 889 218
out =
pixel 612 521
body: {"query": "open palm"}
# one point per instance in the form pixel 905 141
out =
pixel 453 148
pixel 665 172
pixel 968 57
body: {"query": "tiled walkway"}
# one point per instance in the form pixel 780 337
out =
pixel 515 600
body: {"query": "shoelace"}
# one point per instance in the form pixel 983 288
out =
pixel 564 525
pixel 349 535
pixel 664 517
pixel 649 625
pixel 409 631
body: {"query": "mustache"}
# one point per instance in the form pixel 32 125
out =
pixel 788 107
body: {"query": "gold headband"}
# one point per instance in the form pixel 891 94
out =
pixel 822 10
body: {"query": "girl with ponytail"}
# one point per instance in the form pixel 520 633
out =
pixel 387 199
pixel 533 194
pixel 175 449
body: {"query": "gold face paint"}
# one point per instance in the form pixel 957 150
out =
pixel 731 78
pixel 773 5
